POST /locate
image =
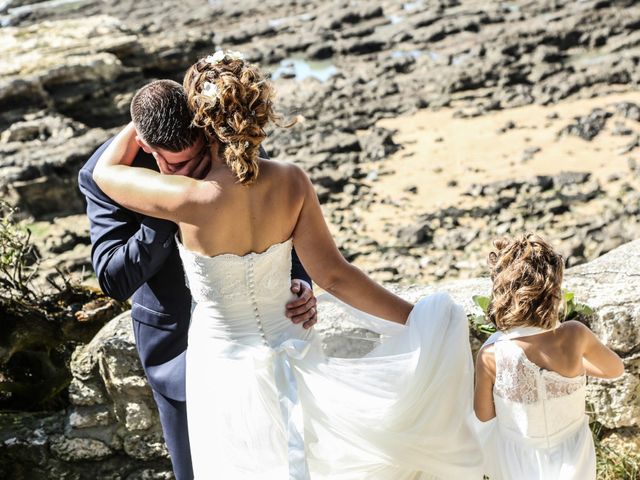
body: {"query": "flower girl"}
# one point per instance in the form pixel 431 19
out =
pixel 530 375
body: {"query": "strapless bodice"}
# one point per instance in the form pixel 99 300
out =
pixel 241 298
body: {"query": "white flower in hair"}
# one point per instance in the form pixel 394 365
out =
pixel 234 55
pixel 220 55
pixel 210 90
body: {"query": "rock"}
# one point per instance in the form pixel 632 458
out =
pixel 632 145
pixel 63 63
pixel 529 153
pixel 338 144
pixel 145 447
pixel 608 286
pixel 84 417
pixel 415 234
pixel 624 441
pixel 619 128
pixel 455 239
pixel 83 393
pixel 628 110
pixel 378 144
pixel 76 449
pixel 570 178
pixel 587 127
pixel 507 126
pixel 40 160
pixel 360 46
pixel 320 51
pixel 138 416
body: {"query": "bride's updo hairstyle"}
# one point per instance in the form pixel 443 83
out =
pixel 527 278
pixel 232 101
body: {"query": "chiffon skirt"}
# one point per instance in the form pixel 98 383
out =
pixel 287 411
pixel 567 455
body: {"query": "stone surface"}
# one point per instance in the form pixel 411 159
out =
pixel 84 417
pixel 138 416
pixel 76 449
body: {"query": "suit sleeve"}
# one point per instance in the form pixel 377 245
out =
pixel 126 251
pixel 297 270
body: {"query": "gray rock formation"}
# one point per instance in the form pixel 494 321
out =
pixel 111 429
pixel 83 60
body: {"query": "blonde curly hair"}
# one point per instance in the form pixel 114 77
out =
pixel 527 277
pixel 237 112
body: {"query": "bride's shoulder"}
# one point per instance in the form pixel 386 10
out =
pixel 284 171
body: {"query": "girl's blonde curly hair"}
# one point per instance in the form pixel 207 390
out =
pixel 527 277
pixel 236 114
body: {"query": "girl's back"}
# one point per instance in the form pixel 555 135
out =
pixel 534 399
pixel 540 430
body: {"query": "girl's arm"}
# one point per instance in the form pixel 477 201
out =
pixel 599 360
pixel 485 378
pixel 140 189
pixel 328 268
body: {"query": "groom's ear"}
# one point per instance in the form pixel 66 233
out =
pixel 143 145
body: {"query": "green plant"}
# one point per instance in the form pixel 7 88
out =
pixel 612 464
pixel 479 321
pixel 571 310
pixel 18 258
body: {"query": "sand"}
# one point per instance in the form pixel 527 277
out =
pixel 443 156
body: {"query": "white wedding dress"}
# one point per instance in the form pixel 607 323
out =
pixel 540 431
pixel 264 402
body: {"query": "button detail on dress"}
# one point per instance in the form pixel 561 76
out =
pixel 254 301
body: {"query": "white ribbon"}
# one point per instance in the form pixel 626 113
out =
pixel 292 349
pixel 515 332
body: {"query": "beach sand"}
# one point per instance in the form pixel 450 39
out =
pixel 443 156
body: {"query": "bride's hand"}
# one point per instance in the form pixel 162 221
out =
pixel 302 309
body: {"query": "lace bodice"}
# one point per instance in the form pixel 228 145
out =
pixel 241 298
pixel 532 401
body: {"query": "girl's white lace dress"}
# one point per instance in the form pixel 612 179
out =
pixel 540 431
pixel 264 402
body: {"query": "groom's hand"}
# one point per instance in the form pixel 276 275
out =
pixel 302 309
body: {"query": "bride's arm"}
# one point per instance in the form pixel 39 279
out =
pixel 140 189
pixel 328 268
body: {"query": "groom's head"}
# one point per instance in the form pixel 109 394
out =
pixel 162 119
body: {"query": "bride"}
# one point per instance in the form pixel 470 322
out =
pixel 263 400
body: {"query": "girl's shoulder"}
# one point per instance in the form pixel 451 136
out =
pixel 574 329
pixel 486 359
pixel 574 336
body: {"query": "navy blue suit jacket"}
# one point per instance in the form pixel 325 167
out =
pixel 136 255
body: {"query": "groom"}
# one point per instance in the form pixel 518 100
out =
pixel 133 254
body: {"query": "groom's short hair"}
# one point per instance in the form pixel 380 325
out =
pixel 162 118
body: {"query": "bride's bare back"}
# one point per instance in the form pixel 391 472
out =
pixel 229 217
